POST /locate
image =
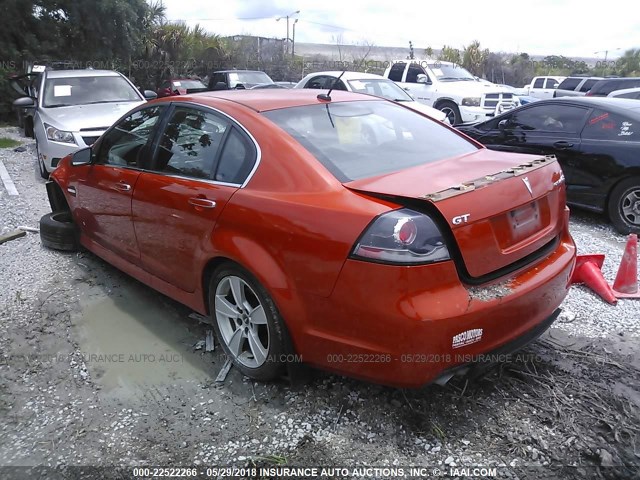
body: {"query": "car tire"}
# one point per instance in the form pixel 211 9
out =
pixel 59 232
pixel 253 336
pixel 452 112
pixel 28 127
pixel 41 168
pixel 624 206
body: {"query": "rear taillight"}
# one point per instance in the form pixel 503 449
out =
pixel 404 237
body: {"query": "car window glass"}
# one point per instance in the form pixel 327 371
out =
pixel 551 83
pixel 237 159
pixel 538 83
pixel 396 71
pixel 125 144
pixel 549 118
pixel 413 72
pixel 611 126
pixel 190 142
pixel 635 95
pixel 586 86
pixel 569 83
pixel 316 82
pixel 361 139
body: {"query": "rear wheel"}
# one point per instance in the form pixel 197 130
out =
pixel 452 112
pixel 59 232
pixel 247 323
pixel 624 206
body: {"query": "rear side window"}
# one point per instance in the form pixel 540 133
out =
pixel 611 126
pixel 538 83
pixel 363 139
pixel 397 69
pixel 237 158
pixel 190 142
pixel 569 83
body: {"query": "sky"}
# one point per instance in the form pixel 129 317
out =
pixel 540 27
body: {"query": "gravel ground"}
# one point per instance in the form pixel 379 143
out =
pixel 97 369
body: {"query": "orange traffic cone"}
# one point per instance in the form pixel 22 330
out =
pixel 588 271
pixel 626 284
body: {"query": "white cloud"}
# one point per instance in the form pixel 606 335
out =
pixel 543 27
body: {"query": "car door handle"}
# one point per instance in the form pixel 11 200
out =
pixel 562 145
pixel 122 187
pixel 72 190
pixel 202 202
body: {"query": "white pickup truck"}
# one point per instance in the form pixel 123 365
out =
pixel 451 89
pixel 543 87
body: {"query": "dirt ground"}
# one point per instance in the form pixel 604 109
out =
pixel 97 369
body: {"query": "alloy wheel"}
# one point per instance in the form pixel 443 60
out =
pixel 242 321
pixel 630 206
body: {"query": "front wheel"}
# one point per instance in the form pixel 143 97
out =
pixel 41 168
pixel 624 206
pixel 452 112
pixel 247 323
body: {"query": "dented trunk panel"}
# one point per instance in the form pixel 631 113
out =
pixel 497 217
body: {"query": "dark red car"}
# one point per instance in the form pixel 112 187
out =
pixel 369 239
pixel 180 86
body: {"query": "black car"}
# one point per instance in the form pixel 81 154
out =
pixel 602 88
pixel 596 141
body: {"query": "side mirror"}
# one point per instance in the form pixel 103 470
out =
pixel 24 102
pixel 220 86
pixel 82 157
pixel 150 95
pixel 502 124
pixel 240 86
pixel 422 78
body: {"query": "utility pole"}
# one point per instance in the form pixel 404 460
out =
pixel 293 40
pixel 287 17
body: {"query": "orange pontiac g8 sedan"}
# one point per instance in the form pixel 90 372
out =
pixel 367 238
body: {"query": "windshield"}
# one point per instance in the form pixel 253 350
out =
pixel 361 139
pixel 248 78
pixel 446 72
pixel 380 88
pixel 188 84
pixel 64 92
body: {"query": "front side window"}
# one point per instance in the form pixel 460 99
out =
pixel 413 72
pixel 549 118
pixel 125 144
pixel 551 83
pixel 64 92
pixel 586 86
pixel 190 142
pixel 362 139
pixel 611 126
pixel 569 83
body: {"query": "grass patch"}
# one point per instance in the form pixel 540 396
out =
pixel 8 143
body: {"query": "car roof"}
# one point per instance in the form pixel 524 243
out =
pixel 346 75
pixel 238 70
pixel 263 100
pixel 81 73
pixel 614 104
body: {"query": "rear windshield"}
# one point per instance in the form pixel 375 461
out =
pixel 355 140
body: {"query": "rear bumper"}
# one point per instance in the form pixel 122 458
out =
pixel 407 326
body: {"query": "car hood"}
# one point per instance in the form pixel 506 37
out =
pixel 426 110
pixel 468 87
pixel 98 116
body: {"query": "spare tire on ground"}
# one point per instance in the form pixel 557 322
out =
pixel 57 231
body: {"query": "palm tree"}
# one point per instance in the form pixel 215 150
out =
pixel 629 64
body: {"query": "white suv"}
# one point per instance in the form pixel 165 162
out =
pixel 451 89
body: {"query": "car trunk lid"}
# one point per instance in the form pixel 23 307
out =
pixel 500 207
